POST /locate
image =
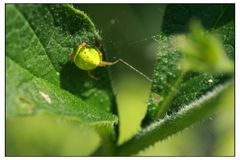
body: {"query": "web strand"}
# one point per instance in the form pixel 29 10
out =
pixel 127 64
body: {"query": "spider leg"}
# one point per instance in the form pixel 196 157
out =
pixel 104 63
pixel 92 76
pixel 70 54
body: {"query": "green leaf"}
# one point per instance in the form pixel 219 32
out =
pixel 131 98
pixel 195 84
pixel 47 135
pixel 202 51
pixel 172 88
pixel 47 37
pixel 27 93
pixel 194 112
pixel 40 75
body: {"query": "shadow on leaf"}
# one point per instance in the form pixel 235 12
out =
pixel 96 93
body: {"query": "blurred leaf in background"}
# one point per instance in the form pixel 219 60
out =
pixel 202 51
pixel 49 135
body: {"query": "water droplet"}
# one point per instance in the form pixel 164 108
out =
pixel 210 81
pixel 112 21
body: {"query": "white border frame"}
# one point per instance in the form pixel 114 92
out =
pixel 2 79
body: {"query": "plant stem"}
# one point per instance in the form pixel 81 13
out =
pixel 207 105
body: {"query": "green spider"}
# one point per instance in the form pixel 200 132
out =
pixel 88 58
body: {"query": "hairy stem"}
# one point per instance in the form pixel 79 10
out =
pixel 202 108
